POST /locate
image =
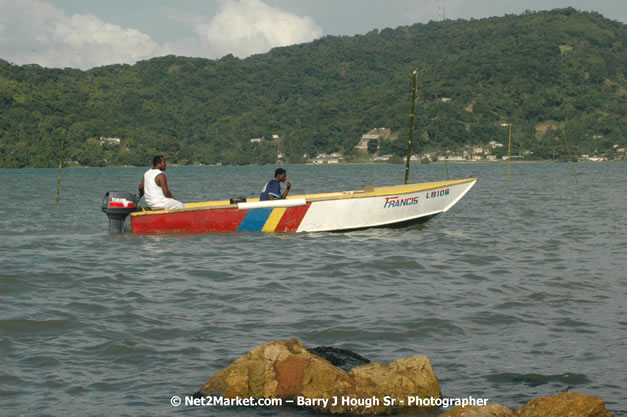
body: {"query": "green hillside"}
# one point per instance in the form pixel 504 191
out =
pixel 553 74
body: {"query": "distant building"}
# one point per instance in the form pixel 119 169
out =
pixel 452 158
pixel 494 144
pixel 256 140
pixel 323 158
pixel 381 133
pixel 109 140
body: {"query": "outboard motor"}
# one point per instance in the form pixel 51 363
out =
pixel 117 205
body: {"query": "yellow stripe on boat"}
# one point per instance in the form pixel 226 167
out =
pixel 207 204
pixel 274 219
pixel 410 188
pixel 383 191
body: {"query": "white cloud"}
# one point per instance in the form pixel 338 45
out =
pixel 38 32
pixel 34 31
pixel 246 27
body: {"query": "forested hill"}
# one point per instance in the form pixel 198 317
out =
pixel 548 73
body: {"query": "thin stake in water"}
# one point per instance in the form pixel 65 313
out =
pixel 509 151
pixel 569 158
pixel 411 126
pixel 509 148
pixel 60 165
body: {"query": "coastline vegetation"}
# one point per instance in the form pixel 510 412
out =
pixel 548 73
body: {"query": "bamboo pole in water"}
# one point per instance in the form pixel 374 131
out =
pixel 411 126
pixel 60 165
pixel 509 151
pixel 569 158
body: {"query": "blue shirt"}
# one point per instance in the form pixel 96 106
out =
pixel 272 187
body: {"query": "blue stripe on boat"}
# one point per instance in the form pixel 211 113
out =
pixel 254 220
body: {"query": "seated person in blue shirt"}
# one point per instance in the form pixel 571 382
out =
pixel 272 189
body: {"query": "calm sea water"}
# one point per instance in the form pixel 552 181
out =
pixel 517 292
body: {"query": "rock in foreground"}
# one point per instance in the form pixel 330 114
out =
pixel 490 410
pixel 287 370
pixel 567 404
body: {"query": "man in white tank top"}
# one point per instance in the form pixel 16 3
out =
pixel 154 187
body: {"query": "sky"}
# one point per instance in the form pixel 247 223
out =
pixel 91 33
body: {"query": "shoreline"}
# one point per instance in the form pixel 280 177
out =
pixel 341 163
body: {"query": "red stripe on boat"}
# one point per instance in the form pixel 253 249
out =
pixel 112 204
pixel 291 218
pixel 197 221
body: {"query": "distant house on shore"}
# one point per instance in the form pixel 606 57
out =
pixel 381 133
pixel 451 158
pixel 383 158
pixel 109 140
pixel 323 158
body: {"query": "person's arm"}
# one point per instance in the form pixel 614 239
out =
pixel 287 190
pixel 162 182
pixel 141 188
